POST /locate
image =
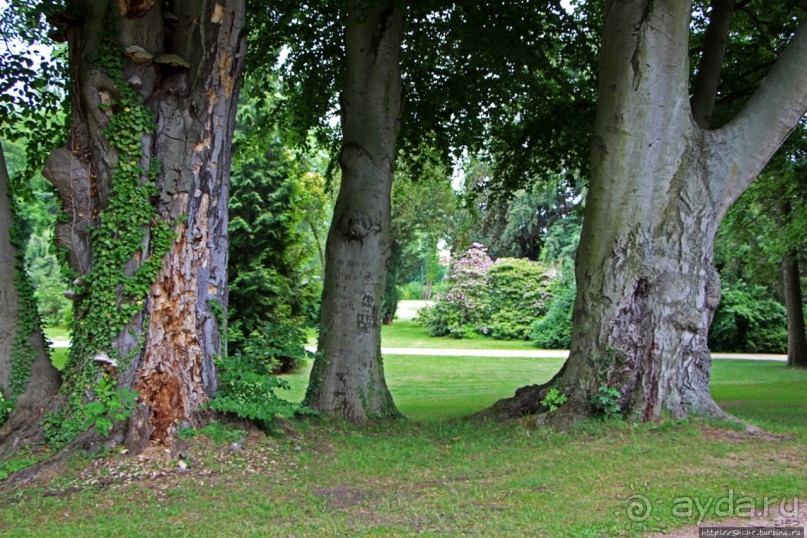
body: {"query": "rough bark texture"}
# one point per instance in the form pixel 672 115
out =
pixel 167 348
pixel 660 184
pixel 43 378
pixel 796 336
pixel 348 377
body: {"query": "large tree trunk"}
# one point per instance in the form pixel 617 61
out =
pixel 151 181
pixel 660 186
pixel 348 377
pixel 27 377
pixel 796 336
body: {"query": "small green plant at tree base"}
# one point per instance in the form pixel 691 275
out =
pixel 112 405
pixel 217 432
pixel 554 399
pixel 22 459
pixel 6 407
pixel 605 402
pixel 248 385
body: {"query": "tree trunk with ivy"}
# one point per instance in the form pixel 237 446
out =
pixel 348 376
pixel 28 380
pixel 661 182
pixel 144 183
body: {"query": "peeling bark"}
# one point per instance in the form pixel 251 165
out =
pixel 660 185
pixel 171 343
pixel 348 377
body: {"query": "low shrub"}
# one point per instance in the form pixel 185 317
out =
pixel 278 347
pixel 411 291
pixel 248 381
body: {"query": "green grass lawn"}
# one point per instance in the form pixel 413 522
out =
pixel 408 334
pixel 431 389
pixel 765 392
pixel 433 476
pixel 57 331
pixel 453 478
pixel 58 356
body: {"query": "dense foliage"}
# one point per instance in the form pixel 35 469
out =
pixel 554 330
pixel 248 387
pixel 274 273
pixel 36 215
pixel 498 299
pixel 424 207
pixel 33 71
pixel 518 294
pixel 748 320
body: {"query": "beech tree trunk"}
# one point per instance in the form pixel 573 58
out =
pixel 796 337
pixel 348 376
pixel 27 377
pixel 184 60
pixel 660 185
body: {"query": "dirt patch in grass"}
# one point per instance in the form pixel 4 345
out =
pixel 342 497
pixel 157 469
pixel 751 434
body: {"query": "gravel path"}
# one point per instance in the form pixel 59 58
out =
pixel 529 354
pixel 538 353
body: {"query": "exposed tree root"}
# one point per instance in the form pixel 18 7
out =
pixel 53 465
pixel 526 401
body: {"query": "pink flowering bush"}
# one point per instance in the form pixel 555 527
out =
pixel 500 299
pixel 464 306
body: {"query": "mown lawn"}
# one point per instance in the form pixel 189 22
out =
pixel 408 334
pixel 435 477
pixel 438 474
pixel 429 389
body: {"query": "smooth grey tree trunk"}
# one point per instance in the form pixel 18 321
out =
pixel 660 185
pixel 707 79
pixel 348 376
pixel 41 378
pixel 166 349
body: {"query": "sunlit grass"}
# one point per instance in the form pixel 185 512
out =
pixel 61 332
pixel 410 334
pixel 436 477
pixel 427 388
pixel 58 356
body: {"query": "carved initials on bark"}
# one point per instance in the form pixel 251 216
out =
pixel 355 225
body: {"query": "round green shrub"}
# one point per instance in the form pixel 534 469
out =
pixel 518 294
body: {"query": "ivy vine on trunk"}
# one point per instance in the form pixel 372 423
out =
pixel 144 183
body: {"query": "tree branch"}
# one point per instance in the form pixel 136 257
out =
pixel 714 51
pixel 767 119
